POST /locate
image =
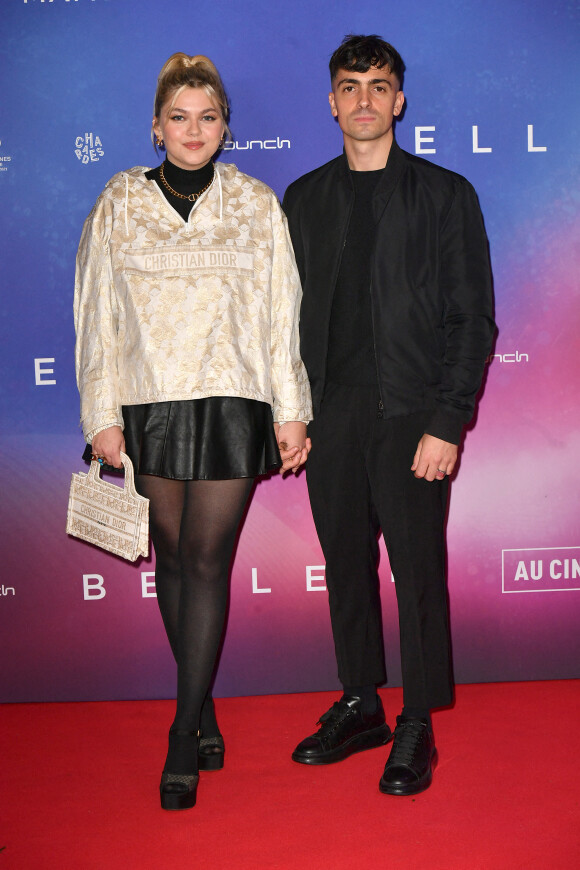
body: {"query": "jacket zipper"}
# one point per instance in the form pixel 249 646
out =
pixel 380 405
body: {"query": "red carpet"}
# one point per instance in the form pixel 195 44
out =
pixel 79 789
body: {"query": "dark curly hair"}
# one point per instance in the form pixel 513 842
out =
pixel 360 53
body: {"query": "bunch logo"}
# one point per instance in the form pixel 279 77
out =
pixel 89 148
pixel 515 357
pixel 258 144
pixel 545 569
pixel 7 590
pixel 4 160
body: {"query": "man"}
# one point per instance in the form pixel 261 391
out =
pixel 396 324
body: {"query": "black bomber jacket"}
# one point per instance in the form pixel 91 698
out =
pixel 431 285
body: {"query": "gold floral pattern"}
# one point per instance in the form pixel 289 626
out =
pixel 167 309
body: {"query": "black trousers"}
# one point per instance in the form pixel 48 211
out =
pixel 360 482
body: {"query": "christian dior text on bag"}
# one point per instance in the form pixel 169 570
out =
pixel 102 513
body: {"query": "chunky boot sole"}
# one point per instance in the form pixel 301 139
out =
pixel 358 743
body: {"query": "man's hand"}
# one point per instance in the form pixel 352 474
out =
pixel 294 445
pixel 434 458
pixel 109 444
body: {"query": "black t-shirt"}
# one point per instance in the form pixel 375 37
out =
pixel 351 353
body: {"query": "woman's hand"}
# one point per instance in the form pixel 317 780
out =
pixel 294 445
pixel 109 444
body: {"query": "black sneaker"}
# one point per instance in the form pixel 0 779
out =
pixel 344 729
pixel 409 769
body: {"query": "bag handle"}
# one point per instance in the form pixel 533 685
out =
pixel 94 473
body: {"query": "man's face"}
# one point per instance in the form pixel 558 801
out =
pixel 366 103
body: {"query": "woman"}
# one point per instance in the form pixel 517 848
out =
pixel 186 312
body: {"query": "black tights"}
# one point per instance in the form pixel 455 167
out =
pixel 193 528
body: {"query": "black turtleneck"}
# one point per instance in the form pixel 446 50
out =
pixel 185 181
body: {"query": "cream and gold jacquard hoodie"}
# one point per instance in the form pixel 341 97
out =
pixel 167 309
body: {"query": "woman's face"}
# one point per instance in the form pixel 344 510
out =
pixel 191 128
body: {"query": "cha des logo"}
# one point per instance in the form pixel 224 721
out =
pixel 89 148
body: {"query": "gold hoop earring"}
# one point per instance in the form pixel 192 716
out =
pixel 159 142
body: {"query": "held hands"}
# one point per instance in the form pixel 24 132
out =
pixel 109 444
pixel 294 445
pixel 434 458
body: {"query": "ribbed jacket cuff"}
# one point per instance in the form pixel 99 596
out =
pixel 445 425
pixel 90 435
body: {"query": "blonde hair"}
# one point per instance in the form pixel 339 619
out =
pixel 185 71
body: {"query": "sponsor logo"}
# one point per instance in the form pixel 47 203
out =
pixel 425 141
pixel 89 148
pixel 515 357
pixel 7 590
pixel 544 569
pixel 258 144
pixel 5 159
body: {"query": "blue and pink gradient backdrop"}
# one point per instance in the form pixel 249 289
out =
pixel 71 67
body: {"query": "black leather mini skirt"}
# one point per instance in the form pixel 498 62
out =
pixel 218 438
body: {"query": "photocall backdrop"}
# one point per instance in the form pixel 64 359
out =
pixel 492 93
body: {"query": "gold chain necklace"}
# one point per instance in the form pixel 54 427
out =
pixel 192 196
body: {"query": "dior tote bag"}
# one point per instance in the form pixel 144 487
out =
pixel 102 513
